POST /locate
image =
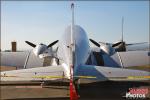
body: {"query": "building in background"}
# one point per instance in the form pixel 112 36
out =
pixel 14 46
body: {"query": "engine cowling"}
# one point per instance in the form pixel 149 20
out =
pixel 107 49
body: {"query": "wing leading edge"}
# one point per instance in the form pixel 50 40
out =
pixel 34 74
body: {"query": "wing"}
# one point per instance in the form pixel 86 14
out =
pixel 138 47
pixel 134 58
pixel 7 58
pixel 100 73
pixel 34 74
pixel 17 59
pixel 136 43
pixel 123 59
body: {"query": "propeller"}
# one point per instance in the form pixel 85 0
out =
pixel 116 44
pixel 105 47
pixel 94 42
pixel 31 44
pixel 53 43
pixel 41 50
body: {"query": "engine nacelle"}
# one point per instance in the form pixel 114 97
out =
pixel 39 49
pixel 107 49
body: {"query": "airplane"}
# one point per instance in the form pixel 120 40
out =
pixel 31 59
pixel 76 62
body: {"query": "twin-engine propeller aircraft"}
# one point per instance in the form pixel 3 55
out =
pixel 75 62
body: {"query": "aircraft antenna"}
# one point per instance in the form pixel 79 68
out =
pixel 122 28
pixel 73 92
pixel 72 33
pixel 72 23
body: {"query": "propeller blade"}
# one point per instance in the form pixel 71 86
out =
pixel 94 42
pixel 116 44
pixel 31 44
pixel 53 43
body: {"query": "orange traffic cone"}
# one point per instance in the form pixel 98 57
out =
pixel 73 93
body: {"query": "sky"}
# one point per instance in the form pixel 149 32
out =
pixel 45 21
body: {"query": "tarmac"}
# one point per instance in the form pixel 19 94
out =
pixel 108 90
pixel 93 91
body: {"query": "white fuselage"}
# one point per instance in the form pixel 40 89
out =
pixel 80 52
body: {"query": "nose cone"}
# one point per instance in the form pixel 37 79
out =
pixel 39 49
pixel 108 49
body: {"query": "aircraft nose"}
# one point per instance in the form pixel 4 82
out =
pixel 39 50
pixel 108 49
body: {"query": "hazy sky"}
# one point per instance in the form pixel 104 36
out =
pixel 45 21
